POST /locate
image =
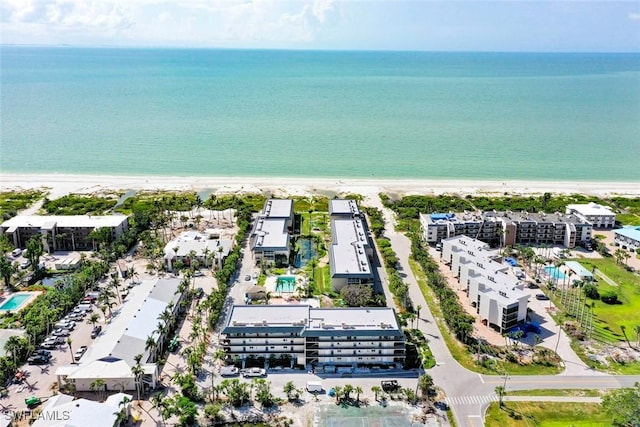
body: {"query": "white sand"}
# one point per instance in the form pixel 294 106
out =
pixel 61 184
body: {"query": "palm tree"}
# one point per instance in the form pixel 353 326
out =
pixel 358 391
pixel 376 389
pixel 348 389
pixel 158 403
pixel 151 345
pixel 418 308
pixel 69 342
pixel 13 346
pixel 137 372
pixel 338 391
pixel 500 391
pixel 93 319
pixel 98 387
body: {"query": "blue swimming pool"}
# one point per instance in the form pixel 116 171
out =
pixel 15 301
pixel 554 273
pixel 285 284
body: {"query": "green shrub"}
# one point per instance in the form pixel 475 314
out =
pixel 591 291
pixel 609 297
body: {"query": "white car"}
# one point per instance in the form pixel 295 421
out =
pixel 25 264
pixel 254 372
pixel 79 353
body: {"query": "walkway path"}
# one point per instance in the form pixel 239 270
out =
pixel 604 277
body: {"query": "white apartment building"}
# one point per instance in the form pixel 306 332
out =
pixel 270 237
pixel 349 253
pixel 599 215
pixel 112 354
pixel 627 238
pixel 508 228
pixel 497 295
pixel 344 209
pixel 206 250
pixel 62 232
pixel 322 338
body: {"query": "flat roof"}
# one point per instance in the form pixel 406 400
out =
pixel 309 321
pixel 343 207
pixel 136 319
pixel 270 234
pixel 348 249
pixel 578 269
pixel 591 209
pixel 73 412
pixel 198 246
pixel 66 221
pixel 277 208
pixel 630 232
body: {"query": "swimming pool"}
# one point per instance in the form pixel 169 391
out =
pixel 554 273
pixel 285 284
pixel 16 301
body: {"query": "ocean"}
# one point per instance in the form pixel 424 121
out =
pixel 406 115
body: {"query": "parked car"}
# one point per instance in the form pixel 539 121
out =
pixel 96 331
pixel 390 386
pixel 48 345
pixel 37 360
pixel 198 273
pixel 66 324
pixel 61 332
pixel 55 339
pixel 16 252
pixel 542 297
pixel 43 353
pixel 32 401
pixel 254 372
pixel 247 277
pixel 199 292
pixel 77 316
pixel 79 353
pixel 229 371
pixel 25 264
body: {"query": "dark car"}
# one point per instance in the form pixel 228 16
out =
pixel 49 345
pixel 199 293
pixel 96 331
pixel 43 353
pixel 542 297
pixel 37 360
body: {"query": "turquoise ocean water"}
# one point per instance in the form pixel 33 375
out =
pixel 325 114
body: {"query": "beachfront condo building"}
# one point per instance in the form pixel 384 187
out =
pixel 491 287
pixel 508 228
pixel 62 232
pixel 113 353
pixel 270 239
pixel 599 216
pixel 207 248
pixel 350 253
pixel 344 209
pixel 627 238
pixel 328 339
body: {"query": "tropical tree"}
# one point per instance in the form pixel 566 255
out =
pixel 34 250
pixel 263 392
pixel 137 372
pixel 151 345
pixel 14 347
pixel 339 392
pixel 97 386
pixel 291 391
pixel 358 391
pixel 376 389
pixel 93 319
pixel 347 390
pixel 6 271
pixel 425 385
pixel 500 391
pixel 160 404
pixel 69 342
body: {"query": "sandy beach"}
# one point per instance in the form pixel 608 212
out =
pixel 61 184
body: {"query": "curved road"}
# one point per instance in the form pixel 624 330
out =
pixel 469 393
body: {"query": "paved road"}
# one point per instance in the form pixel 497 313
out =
pixel 469 393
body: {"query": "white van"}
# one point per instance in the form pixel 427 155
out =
pixel 85 307
pixel 16 252
pixel 314 386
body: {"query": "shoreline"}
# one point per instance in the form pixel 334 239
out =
pixel 61 184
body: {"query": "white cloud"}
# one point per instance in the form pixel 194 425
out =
pixel 197 22
pixel 634 16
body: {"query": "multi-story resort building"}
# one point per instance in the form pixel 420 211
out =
pixel 322 338
pixel 599 216
pixel 344 209
pixel 492 288
pixel 270 237
pixel 112 355
pixel 627 238
pixel 199 246
pixel 350 252
pixel 508 228
pixel 62 232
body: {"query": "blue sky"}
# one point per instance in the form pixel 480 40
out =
pixel 602 26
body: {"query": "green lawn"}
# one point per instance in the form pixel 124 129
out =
pixel 609 319
pixel 552 392
pixel 547 414
pixel 322 280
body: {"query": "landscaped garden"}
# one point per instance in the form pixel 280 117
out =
pixel 547 414
pixel 13 201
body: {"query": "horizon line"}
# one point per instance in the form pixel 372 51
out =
pixel 293 49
